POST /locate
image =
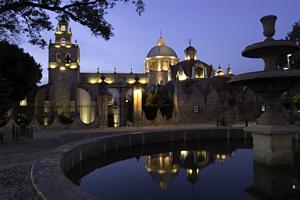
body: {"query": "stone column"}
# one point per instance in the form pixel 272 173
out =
pixel 102 107
pixel 137 105
pixel 122 106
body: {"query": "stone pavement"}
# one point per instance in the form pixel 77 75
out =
pixel 16 157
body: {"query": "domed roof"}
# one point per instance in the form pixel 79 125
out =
pixel 189 49
pixel 161 50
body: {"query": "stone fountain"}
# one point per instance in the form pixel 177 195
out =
pixel 272 135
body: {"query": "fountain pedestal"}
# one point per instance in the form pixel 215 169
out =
pixel 273 139
pixel 272 183
pixel 273 149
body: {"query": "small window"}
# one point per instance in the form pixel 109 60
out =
pixel 199 71
pixel 63 41
pixel 23 103
pixel 68 58
pixel 63 28
pixel 263 108
pixel 196 108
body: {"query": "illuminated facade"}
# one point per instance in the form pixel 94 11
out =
pixel 75 99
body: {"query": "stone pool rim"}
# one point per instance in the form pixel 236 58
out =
pixel 48 171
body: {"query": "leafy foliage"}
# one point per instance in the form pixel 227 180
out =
pixel 294 59
pixel 19 75
pixel 159 99
pixel 31 17
pixel 66 118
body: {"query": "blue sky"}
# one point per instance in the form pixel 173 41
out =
pixel 219 30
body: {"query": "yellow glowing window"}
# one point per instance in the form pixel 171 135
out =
pixel 199 71
pixel 165 66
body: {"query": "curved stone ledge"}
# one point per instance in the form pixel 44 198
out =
pixel 48 171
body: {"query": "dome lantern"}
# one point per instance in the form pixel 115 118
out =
pixel 190 52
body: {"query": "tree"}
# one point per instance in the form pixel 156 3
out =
pixel 31 17
pixel 294 59
pixel 19 75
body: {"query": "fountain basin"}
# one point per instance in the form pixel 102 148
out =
pixel 276 47
pixel 268 81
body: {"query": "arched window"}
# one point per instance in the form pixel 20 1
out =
pixel 68 58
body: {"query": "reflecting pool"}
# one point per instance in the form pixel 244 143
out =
pixel 198 170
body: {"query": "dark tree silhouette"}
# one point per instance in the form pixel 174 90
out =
pixel 19 75
pixel 294 59
pixel 31 17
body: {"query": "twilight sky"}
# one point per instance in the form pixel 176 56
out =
pixel 219 30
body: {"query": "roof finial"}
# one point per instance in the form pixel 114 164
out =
pixel 190 42
pixel 97 70
pixel 115 70
pixel 160 41
pixel 130 70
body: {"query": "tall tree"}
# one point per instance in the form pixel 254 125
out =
pixel 294 59
pixel 19 75
pixel 295 36
pixel 31 17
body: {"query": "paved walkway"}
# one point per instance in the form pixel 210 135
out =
pixel 16 157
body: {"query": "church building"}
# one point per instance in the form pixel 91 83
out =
pixel 193 90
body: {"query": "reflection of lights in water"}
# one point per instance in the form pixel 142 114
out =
pixel 201 157
pixel 221 157
pixel 161 168
pixel 183 154
pixel 191 171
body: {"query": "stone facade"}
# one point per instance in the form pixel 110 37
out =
pixel 194 92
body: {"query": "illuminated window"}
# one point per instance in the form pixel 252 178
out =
pixel 63 28
pixel 23 103
pixel 165 66
pixel 63 41
pixel 263 108
pixel 199 71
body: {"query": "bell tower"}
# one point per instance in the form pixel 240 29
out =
pixel 190 52
pixel 64 68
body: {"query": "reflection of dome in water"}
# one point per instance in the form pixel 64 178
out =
pixel 192 175
pixel 161 169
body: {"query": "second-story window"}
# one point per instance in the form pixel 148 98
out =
pixel 63 41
